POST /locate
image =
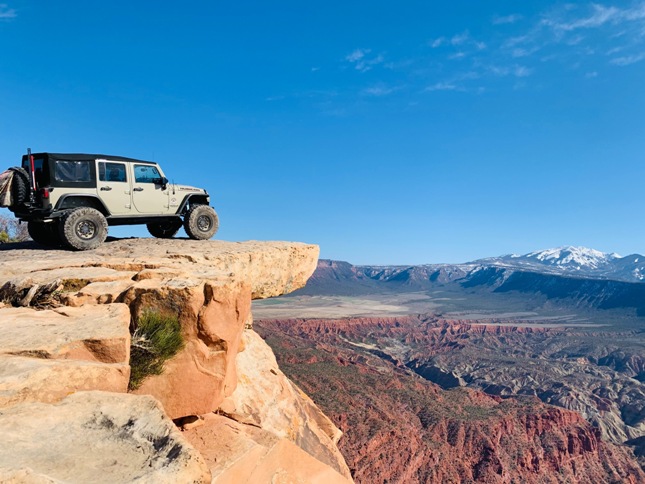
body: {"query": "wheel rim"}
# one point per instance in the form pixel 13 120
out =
pixel 204 223
pixel 86 230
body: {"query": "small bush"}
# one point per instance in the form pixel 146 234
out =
pixel 156 339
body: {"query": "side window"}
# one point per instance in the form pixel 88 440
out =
pixel 73 171
pixel 112 172
pixel 145 173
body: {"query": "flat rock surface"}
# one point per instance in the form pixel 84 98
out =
pixel 271 268
pixel 48 381
pixel 96 437
pixel 93 333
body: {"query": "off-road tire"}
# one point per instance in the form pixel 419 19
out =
pixel 19 185
pixel 83 228
pixel 201 222
pixel 164 230
pixel 44 233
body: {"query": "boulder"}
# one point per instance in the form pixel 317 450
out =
pixel 96 437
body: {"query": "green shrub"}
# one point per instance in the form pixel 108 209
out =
pixel 156 339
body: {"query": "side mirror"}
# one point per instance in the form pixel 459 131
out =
pixel 163 181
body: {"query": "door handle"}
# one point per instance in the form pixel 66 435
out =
pixel 106 189
pixel 138 189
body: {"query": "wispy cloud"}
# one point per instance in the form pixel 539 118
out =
pixel 522 71
pixel 507 19
pixel 582 38
pixel 438 42
pixel 7 13
pixel 460 39
pixel 628 59
pixel 379 90
pixel 599 16
pixel 577 31
pixel 442 86
pixel 362 61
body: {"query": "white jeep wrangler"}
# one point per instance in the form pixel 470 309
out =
pixel 71 199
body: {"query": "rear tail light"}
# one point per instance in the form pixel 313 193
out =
pixel 44 193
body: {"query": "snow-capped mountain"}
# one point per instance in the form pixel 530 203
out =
pixel 575 260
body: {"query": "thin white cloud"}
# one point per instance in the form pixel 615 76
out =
pixel 7 13
pixel 523 52
pixel 379 90
pixel 357 55
pixel 442 86
pixel 599 16
pixel 522 71
pixel 361 60
pixel 438 42
pixel 576 36
pixel 628 59
pixel 460 39
pixel 507 19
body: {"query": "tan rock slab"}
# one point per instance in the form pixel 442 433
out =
pixel 265 397
pixel 92 333
pixel 239 454
pixel 96 437
pixel 49 381
pixel 99 293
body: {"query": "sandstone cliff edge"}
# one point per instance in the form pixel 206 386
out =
pixel 222 411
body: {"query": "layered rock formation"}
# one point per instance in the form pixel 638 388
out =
pixel 400 427
pixel 66 319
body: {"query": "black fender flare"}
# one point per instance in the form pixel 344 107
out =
pixel 192 199
pixel 74 200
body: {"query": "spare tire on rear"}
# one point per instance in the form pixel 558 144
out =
pixel 14 187
pixel 19 185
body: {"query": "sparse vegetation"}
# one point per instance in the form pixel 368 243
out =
pixel 12 231
pixel 74 285
pixel 156 339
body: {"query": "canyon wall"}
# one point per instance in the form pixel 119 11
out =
pixel 372 377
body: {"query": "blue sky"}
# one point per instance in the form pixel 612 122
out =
pixel 385 132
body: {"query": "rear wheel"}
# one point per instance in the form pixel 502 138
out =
pixel 45 233
pixel 164 230
pixel 201 222
pixel 83 228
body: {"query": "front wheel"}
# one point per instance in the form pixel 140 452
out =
pixel 83 228
pixel 201 222
pixel 164 230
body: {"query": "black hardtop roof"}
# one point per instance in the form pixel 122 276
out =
pixel 84 157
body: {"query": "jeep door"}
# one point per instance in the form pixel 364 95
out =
pixel 113 187
pixel 148 193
